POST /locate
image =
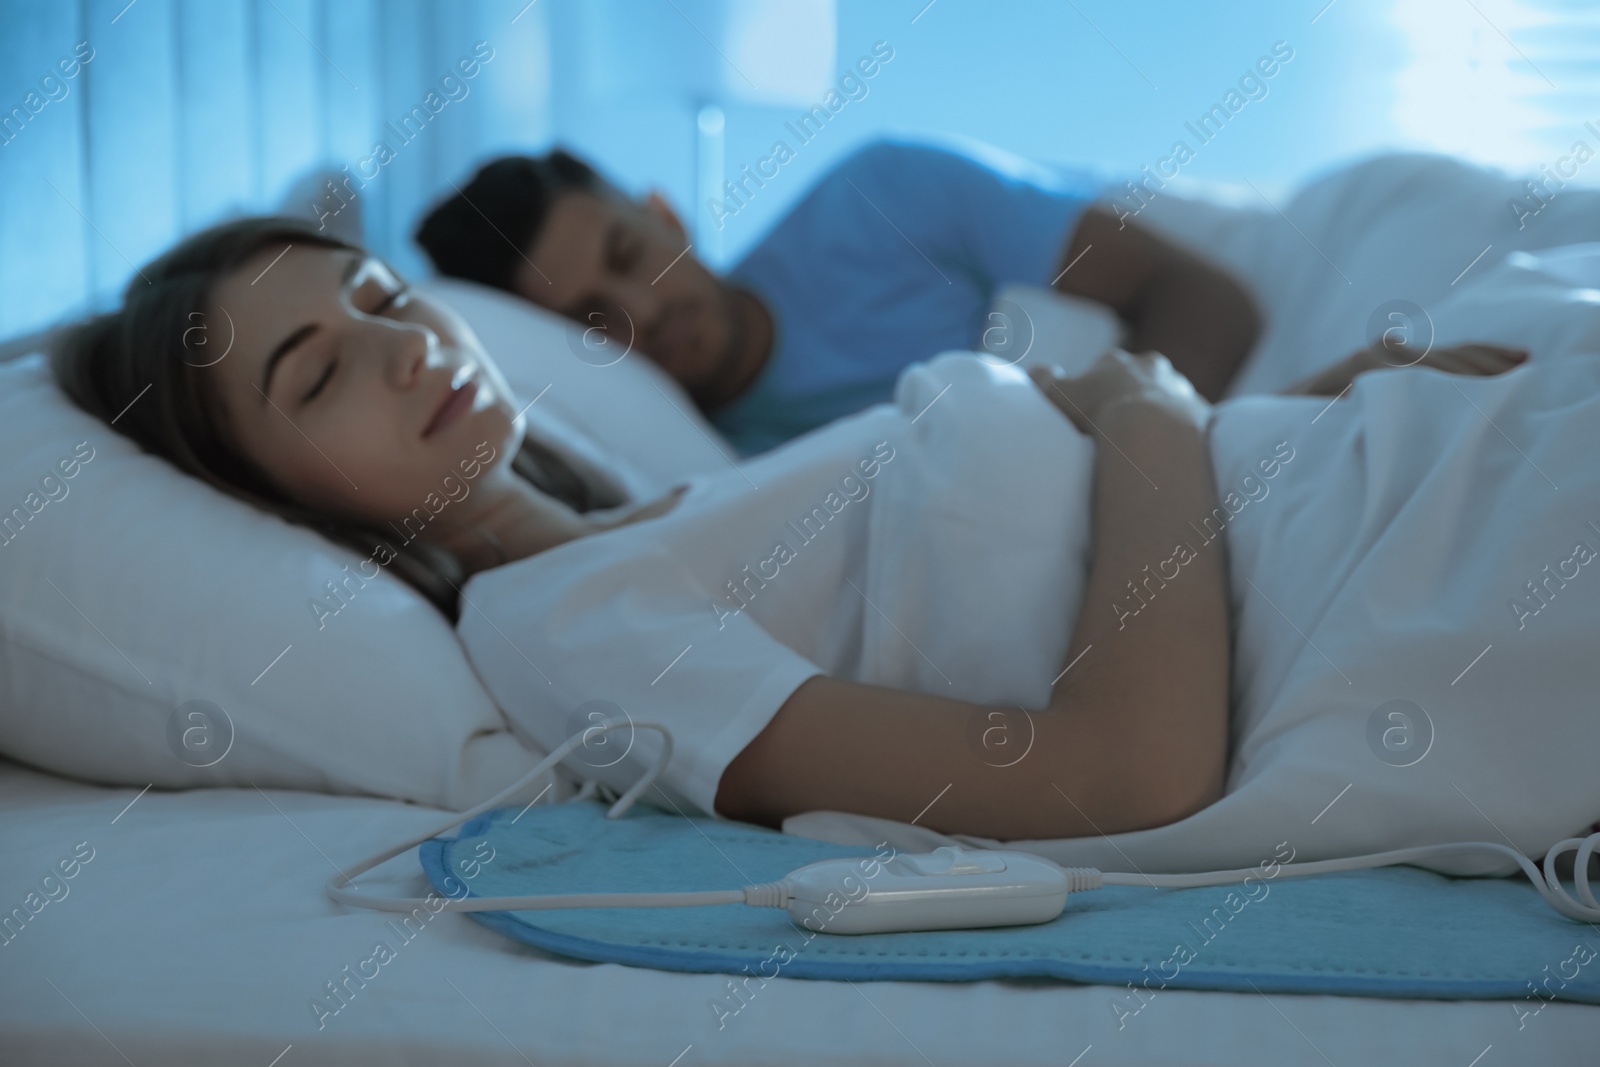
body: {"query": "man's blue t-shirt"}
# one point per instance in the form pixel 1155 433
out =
pixel 893 257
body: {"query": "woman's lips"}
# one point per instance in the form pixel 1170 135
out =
pixel 456 404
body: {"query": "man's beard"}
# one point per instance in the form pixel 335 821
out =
pixel 716 387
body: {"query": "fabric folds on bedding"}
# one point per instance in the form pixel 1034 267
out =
pixel 1412 599
pixel 1415 605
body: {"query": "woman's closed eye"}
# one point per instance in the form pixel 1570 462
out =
pixel 322 381
pixel 374 299
pixel 374 288
pixel 387 300
pixel 390 299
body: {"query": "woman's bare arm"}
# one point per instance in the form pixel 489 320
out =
pixel 1151 692
pixel 1135 734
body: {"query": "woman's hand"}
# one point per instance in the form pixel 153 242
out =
pixel 1117 378
pixel 1476 359
pixel 1141 748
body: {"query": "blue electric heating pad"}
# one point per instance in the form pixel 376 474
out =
pixel 1396 932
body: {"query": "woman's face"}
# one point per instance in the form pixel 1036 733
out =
pixel 354 395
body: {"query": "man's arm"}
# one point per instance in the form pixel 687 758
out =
pixel 1473 360
pixel 1173 302
pixel 1135 735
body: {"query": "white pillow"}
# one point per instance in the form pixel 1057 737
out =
pixel 1033 324
pixel 615 397
pixel 128 591
pixel 651 429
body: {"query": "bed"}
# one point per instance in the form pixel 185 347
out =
pixel 197 931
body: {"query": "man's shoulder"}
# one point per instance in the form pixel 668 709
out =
pixel 950 163
pixel 892 156
pixel 886 169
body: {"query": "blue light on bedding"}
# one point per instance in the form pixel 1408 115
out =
pixel 1394 932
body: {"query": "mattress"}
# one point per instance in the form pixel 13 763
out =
pixel 198 932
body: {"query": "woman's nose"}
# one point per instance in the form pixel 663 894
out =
pixel 409 353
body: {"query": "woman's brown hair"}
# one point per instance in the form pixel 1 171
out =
pixel 163 338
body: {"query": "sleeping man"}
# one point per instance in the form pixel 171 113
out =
pixel 890 258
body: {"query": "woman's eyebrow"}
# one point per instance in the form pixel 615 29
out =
pixel 285 346
pixel 288 344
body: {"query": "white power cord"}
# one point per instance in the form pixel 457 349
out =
pixel 1584 909
pixel 348 894
pixel 950 888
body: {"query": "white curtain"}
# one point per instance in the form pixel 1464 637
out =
pixel 189 111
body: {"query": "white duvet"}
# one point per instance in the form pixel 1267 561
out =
pixel 1415 592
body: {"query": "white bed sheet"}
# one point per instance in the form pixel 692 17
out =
pixel 199 932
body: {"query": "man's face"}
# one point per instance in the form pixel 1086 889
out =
pixel 620 266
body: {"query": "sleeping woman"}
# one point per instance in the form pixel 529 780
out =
pixel 999 607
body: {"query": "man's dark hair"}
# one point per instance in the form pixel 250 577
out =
pixel 482 233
